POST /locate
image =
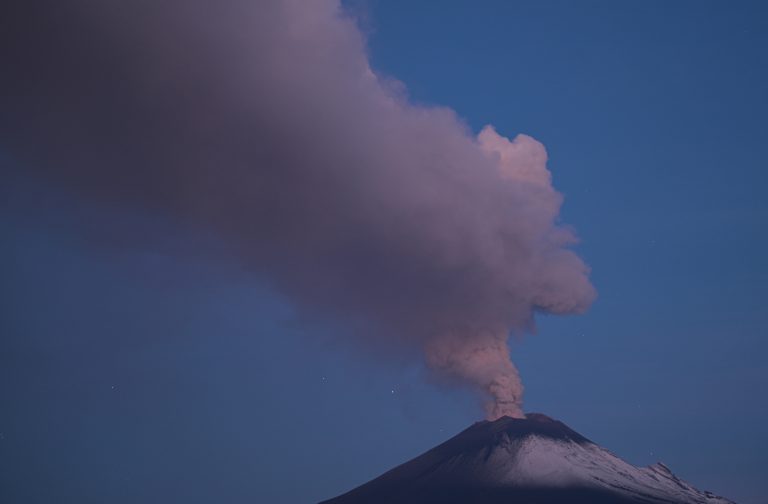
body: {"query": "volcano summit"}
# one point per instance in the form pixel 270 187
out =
pixel 534 460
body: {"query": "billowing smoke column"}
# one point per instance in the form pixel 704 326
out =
pixel 262 122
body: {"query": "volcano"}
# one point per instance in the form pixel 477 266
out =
pixel 533 460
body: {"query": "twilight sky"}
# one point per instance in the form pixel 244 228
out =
pixel 140 363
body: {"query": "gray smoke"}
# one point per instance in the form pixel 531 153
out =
pixel 263 122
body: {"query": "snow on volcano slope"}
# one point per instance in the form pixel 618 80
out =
pixel 525 461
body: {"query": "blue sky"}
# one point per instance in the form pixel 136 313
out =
pixel 148 375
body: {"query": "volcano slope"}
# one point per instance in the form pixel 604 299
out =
pixel 534 460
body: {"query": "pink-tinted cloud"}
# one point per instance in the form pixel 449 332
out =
pixel 263 122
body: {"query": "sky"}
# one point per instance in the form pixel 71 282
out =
pixel 159 370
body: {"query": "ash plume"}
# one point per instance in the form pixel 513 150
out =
pixel 263 122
